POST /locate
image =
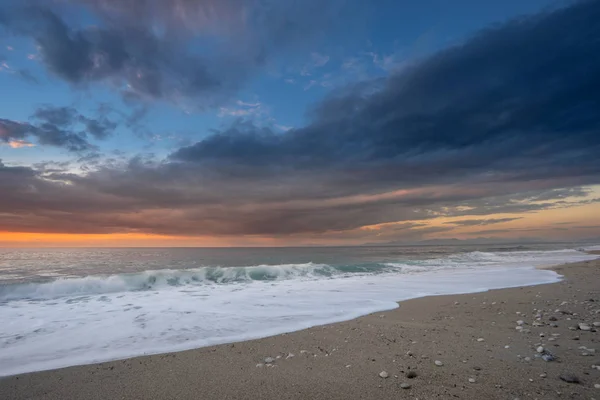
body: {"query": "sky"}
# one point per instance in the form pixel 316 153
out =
pixel 288 123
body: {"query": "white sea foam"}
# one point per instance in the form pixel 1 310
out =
pixel 85 320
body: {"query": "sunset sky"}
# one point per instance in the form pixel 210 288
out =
pixel 278 123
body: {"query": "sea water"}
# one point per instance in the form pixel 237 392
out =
pixel 63 307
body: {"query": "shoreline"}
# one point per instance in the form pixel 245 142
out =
pixel 344 359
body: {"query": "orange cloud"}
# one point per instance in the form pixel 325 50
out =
pixel 17 144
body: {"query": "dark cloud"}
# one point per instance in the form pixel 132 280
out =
pixel 480 222
pixel 58 126
pixel 151 49
pixel 516 102
pixel 512 110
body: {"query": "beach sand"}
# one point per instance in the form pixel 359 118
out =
pixel 484 356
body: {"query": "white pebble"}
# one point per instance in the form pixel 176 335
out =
pixel 540 349
pixel 383 374
pixel 438 363
pixel 584 327
pixel 472 380
pixel 481 340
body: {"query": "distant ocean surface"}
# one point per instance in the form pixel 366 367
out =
pixel 62 307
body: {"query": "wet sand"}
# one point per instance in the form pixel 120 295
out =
pixel 475 337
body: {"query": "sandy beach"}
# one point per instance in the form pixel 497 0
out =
pixel 476 346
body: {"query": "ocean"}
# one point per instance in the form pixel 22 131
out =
pixel 63 307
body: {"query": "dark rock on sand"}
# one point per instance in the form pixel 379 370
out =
pixel 570 378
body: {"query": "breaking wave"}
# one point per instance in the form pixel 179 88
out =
pixel 164 278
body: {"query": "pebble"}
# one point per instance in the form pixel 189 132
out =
pixel 438 363
pixel 520 322
pixel 290 355
pixel 596 324
pixel 548 357
pixel 481 340
pixel 411 374
pixel 543 375
pixel 472 380
pixel 259 365
pixel 405 385
pixel 383 374
pixel 269 360
pixel 527 359
pixel 584 327
pixel 540 349
pixel 597 386
pixel 569 378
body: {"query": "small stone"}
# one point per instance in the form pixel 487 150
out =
pixel 548 357
pixel 438 363
pixel 411 374
pixel 527 359
pixel 477 368
pixel 584 327
pixel 597 386
pixel 269 360
pixel 520 322
pixel 290 355
pixel 540 349
pixel 543 375
pixel 472 380
pixel 260 365
pixel 409 353
pixel 405 385
pixel 596 324
pixel 348 366
pixel 507 347
pixel 481 340
pixel 569 378
pixel 383 374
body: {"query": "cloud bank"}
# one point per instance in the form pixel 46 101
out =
pixel 513 109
